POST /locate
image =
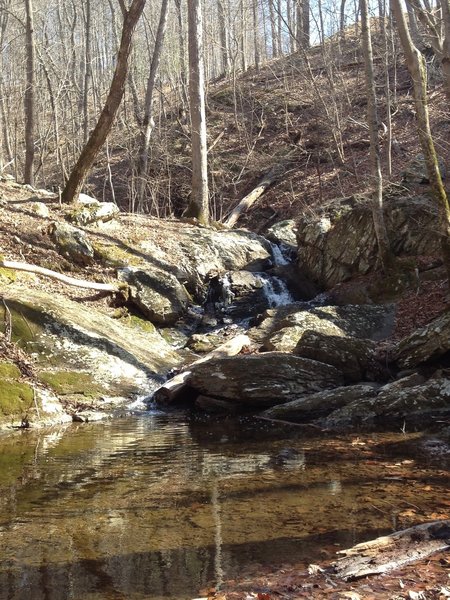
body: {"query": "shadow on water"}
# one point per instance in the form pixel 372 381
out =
pixel 161 505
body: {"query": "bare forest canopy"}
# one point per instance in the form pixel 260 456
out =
pixel 285 86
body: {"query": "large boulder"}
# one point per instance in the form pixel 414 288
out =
pixel 72 243
pixel 262 380
pixel 425 344
pixel 323 256
pixel 398 405
pixel 353 357
pixel 313 406
pixel 158 294
pixel 416 170
pixel 81 354
pixel 283 329
pixel 89 210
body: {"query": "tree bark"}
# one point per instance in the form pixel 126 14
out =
pixel 106 119
pixel 199 202
pixel 384 251
pixel 417 69
pixel 223 34
pixel 148 122
pixel 29 100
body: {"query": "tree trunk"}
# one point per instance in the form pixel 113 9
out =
pixel 223 33
pixel 106 119
pixel 445 5
pixel 87 71
pixel 384 252
pixel 148 122
pixel 199 202
pixel 417 69
pixel 256 34
pixel 29 100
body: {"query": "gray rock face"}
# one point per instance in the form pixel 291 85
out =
pixel 72 243
pixel 410 406
pixel 317 405
pixel 262 380
pixel 427 343
pixel 158 294
pixel 352 357
pixel 282 330
pixel 323 257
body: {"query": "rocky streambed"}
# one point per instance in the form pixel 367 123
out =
pixel 315 355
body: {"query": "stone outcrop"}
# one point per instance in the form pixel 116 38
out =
pixel 425 344
pixel 81 354
pixel 339 243
pixel 89 210
pixel 283 329
pixel 262 380
pixel 158 294
pixel 321 404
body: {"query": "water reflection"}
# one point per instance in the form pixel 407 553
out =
pixel 160 506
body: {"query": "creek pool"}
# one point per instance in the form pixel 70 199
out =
pixel 162 505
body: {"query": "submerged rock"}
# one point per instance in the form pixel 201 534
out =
pixel 262 380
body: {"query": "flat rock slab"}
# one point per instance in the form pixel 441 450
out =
pixel 424 344
pixel 263 380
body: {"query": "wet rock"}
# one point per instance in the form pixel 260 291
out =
pixel 355 358
pixel 262 380
pixel 158 294
pixel 72 243
pixel 283 232
pixel 412 225
pixel 216 405
pixel 313 406
pixel 80 352
pixel 426 343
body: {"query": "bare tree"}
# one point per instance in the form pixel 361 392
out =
pixel 106 119
pixel 384 251
pixel 29 101
pixel 199 201
pixel 417 69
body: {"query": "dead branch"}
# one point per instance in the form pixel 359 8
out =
pixel 393 551
pixel 253 196
pixel 173 388
pixel 82 283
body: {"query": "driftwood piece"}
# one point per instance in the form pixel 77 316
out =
pixel 174 387
pixel 393 551
pixel 253 196
pixel 82 283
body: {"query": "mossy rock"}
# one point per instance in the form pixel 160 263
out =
pixel 71 382
pixel 15 398
pixel 9 371
pixel 7 275
pixel 141 324
pixel 114 256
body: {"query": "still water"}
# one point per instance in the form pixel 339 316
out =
pixel 161 505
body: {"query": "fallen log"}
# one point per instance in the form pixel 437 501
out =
pixel 174 387
pixel 253 196
pixel 393 551
pixel 82 283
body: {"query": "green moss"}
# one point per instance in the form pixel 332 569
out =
pixel 27 322
pixel 15 398
pixel 142 324
pixel 71 382
pixel 9 371
pixel 7 275
pixel 113 255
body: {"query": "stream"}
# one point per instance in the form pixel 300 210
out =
pixel 162 505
